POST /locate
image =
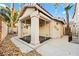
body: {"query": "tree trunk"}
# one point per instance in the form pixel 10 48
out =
pixel 67 18
pixel 11 26
pixel 12 14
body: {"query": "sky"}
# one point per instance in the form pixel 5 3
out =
pixel 50 8
pixel 60 10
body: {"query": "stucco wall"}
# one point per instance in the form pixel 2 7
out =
pixel 44 30
pixel 0 28
pixel 52 29
pixel 4 30
pixel 61 29
pixel 58 30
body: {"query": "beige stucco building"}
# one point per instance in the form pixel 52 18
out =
pixel 35 21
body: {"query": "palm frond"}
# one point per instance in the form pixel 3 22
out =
pixel 68 7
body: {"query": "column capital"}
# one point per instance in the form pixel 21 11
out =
pixel 35 14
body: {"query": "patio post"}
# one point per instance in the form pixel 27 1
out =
pixel 35 28
pixel 19 29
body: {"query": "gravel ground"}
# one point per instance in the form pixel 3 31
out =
pixel 7 48
pixel 33 53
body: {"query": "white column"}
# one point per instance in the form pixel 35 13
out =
pixel 29 30
pixel 34 30
pixel 19 29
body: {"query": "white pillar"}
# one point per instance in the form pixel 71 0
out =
pixel 29 30
pixel 34 30
pixel 19 29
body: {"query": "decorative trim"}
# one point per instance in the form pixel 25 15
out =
pixel 35 16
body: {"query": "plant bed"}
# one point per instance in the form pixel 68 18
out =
pixel 26 39
pixel 41 39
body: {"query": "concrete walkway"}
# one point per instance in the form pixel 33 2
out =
pixel 75 39
pixel 59 47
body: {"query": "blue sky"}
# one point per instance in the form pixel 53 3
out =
pixel 50 8
pixel 60 10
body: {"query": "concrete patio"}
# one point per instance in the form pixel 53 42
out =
pixel 59 47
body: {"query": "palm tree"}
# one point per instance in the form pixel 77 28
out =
pixel 3 14
pixel 10 15
pixel 67 8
